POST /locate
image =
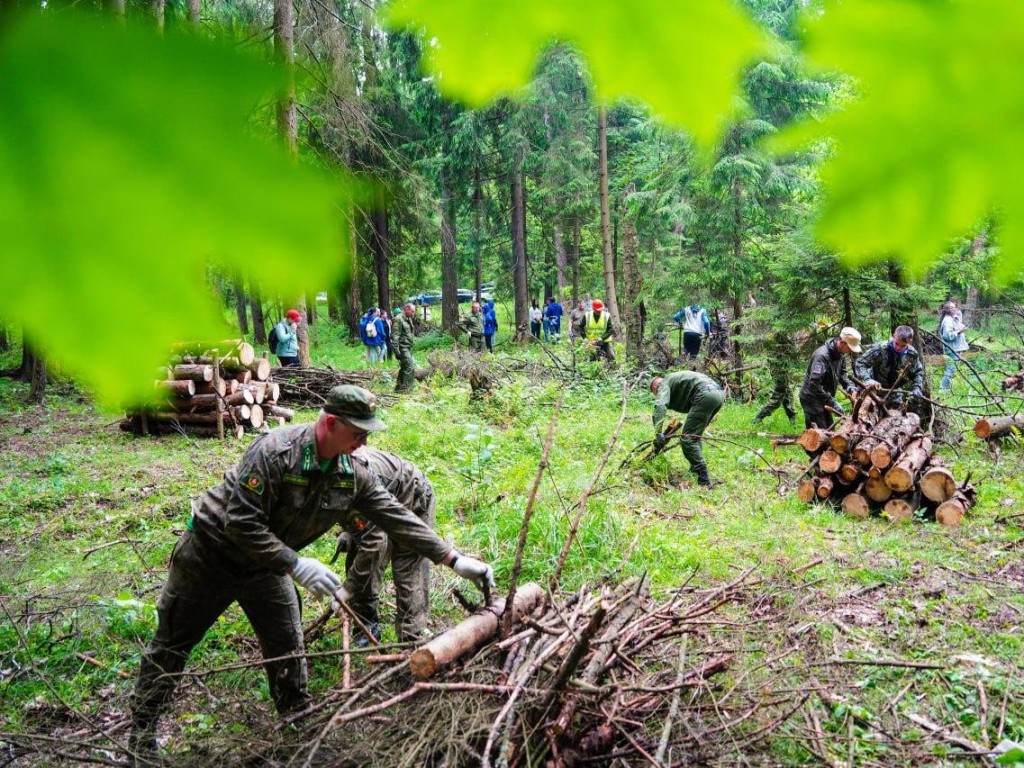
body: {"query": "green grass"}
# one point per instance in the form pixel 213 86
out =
pixel 73 482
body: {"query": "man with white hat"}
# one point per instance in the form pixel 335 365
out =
pixel 825 373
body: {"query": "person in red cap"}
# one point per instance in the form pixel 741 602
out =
pixel 284 341
pixel 596 325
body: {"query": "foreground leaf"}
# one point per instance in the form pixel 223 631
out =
pixel 933 143
pixel 125 168
pixel 682 58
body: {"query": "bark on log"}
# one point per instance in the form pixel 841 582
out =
pixel 197 373
pixel 894 441
pixel 903 474
pixel 470 633
pixel 258 390
pixel 196 403
pixel 170 428
pixel 807 490
pixel 212 388
pixel 856 504
pixel 990 429
pixel 273 410
pixel 260 369
pixel 243 377
pixel 937 484
pixel 875 487
pixel 1014 382
pixel 830 462
pixel 850 433
pixel 862 452
pixel 241 413
pixel 952 511
pixel 183 418
pixel 813 440
pixel 900 510
pixel 241 397
pixel 183 388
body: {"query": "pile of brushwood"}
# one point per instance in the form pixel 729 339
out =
pixel 308 387
pixel 880 460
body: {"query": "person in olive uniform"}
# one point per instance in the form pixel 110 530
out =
pixel 370 550
pixel 700 398
pixel 402 335
pixel 291 486
pixel 825 373
pixel 780 358
pixel 473 323
pixel 893 366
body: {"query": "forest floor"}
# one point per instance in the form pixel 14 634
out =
pixel 89 515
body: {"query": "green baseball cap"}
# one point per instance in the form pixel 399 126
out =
pixel 354 405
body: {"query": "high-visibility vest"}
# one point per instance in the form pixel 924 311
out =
pixel 597 324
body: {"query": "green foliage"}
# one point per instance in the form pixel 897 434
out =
pixel 653 50
pixel 124 169
pixel 930 146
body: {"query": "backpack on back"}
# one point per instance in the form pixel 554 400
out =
pixel 371 328
pixel 273 340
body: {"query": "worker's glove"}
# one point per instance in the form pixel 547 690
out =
pixel 838 408
pixel 478 572
pixel 916 393
pixel 660 440
pixel 342 593
pixel 871 384
pixel 315 577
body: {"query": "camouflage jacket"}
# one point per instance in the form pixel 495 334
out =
pixel 880 364
pixel 474 324
pixel 402 333
pixel 406 483
pixel 280 498
pixel 677 391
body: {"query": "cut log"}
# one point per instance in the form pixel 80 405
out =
pixel 243 377
pixel 856 504
pixel 197 403
pixel 256 417
pixel 241 397
pixel 807 490
pixel 813 440
pixel 274 410
pixel 937 484
pixel 198 373
pixel 901 510
pixel 875 487
pixel 952 510
pixel 892 441
pixel 278 421
pixel 825 486
pixel 862 452
pixel 865 416
pixel 183 418
pixel 260 369
pixel 990 429
pixel 242 413
pixel 182 388
pixel 849 473
pixel 172 428
pixel 273 391
pixel 903 474
pixel 212 388
pixel 830 462
pixel 471 632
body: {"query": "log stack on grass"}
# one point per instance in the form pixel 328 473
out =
pixel 212 392
pixel 880 461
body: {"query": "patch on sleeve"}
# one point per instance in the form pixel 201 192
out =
pixel 254 483
pixel 358 523
pixel 818 368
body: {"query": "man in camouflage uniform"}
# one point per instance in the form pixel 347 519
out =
pixel 369 550
pixel 291 486
pixel 894 366
pixel 825 373
pixel 780 357
pixel 700 398
pixel 402 335
pixel 473 323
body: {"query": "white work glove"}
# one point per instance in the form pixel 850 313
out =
pixel 345 596
pixel 315 577
pixel 476 571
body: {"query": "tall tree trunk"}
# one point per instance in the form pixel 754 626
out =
pixel 631 283
pixel 355 311
pixel 379 246
pixel 310 299
pixel 243 320
pixel 606 238
pixel 284 54
pixel 333 310
pixel 193 12
pixel 574 256
pixel 478 233
pixel 159 7
pixel 521 288
pixel 259 325
pixel 561 261
pixel 33 370
pixel 847 308
pixel 449 261
pixel 737 255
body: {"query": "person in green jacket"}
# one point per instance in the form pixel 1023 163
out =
pixel 700 398
pixel 402 335
pixel 473 324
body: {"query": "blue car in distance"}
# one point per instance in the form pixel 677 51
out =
pixel 432 298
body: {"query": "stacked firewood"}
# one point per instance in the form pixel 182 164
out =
pixel 878 459
pixel 212 392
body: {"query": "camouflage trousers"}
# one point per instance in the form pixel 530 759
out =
pixel 406 371
pixel 706 404
pixel 411 573
pixel 476 343
pixel 781 397
pixel 197 592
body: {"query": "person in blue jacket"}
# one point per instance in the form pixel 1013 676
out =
pixel 372 334
pixel 552 320
pixel 490 324
pixel 287 349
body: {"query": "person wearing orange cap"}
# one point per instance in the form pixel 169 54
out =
pixel 597 326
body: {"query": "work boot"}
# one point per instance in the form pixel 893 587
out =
pixel 791 415
pixel 703 478
pixel 362 641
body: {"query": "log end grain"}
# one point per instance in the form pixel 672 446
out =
pixel 938 484
pixel 830 462
pixel 422 664
pixel 899 510
pixel 806 490
pixel 856 505
pixel 950 512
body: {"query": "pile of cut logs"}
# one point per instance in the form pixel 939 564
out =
pixel 879 460
pixel 212 392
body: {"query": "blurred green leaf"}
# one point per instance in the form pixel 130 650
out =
pixel 682 58
pixel 932 144
pixel 127 165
